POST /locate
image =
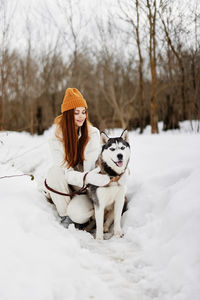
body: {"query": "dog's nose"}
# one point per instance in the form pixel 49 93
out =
pixel 119 156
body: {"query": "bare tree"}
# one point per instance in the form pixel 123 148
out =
pixel 172 29
pixel 6 16
pixel 116 90
pixel 132 11
pixel 133 19
pixel 30 76
pixel 132 74
pixel 152 18
pixel 195 63
pixel 70 32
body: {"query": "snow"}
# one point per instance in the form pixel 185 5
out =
pixel 158 257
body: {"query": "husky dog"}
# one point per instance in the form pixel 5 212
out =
pixel 113 161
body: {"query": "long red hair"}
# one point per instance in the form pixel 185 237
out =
pixel 73 146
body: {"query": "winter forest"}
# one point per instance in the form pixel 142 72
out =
pixel 136 62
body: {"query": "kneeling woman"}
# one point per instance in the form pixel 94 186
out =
pixel 75 147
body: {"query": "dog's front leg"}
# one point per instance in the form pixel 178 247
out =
pixel 99 212
pixel 109 220
pixel 99 216
pixel 118 207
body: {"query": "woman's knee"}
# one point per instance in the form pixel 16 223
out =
pixel 80 209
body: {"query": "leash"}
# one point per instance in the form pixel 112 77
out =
pixel 10 176
pixel 81 191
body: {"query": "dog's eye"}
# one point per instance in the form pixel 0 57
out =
pixel 122 148
pixel 112 149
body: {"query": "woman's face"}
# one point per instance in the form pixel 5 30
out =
pixel 79 116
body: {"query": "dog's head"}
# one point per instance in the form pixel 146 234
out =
pixel 115 151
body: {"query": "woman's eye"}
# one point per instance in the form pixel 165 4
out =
pixel 77 113
pixel 112 149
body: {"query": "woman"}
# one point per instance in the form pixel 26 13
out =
pixel 75 147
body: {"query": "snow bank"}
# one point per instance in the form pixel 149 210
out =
pixel 164 213
pixel 159 256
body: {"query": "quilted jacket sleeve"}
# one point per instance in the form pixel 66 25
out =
pixel 57 151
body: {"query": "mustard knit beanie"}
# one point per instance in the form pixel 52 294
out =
pixel 72 99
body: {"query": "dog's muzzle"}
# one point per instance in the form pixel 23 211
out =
pixel 119 163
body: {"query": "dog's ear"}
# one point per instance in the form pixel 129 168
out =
pixel 104 138
pixel 124 135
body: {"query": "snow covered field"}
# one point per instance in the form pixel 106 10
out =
pixel 159 255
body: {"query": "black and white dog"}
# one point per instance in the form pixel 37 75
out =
pixel 113 161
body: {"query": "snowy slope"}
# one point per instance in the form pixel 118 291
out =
pixel 158 257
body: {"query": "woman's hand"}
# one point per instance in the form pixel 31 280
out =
pixel 94 178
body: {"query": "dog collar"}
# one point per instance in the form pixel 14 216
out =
pixel 114 179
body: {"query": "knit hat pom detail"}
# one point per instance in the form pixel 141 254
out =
pixel 72 99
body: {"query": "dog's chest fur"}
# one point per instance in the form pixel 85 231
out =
pixel 107 195
pixel 110 190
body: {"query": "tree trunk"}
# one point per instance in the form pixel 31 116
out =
pixel 39 120
pixel 170 120
pixel 32 113
pixel 2 100
pixel 140 70
pixel 152 58
pixel 181 67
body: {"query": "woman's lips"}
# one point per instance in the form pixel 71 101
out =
pixel 80 122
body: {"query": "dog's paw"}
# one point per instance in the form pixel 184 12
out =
pixel 99 237
pixel 106 229
pixel 118 233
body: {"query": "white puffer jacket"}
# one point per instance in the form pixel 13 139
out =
pixel 91 154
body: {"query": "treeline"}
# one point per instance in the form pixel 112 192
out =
pixel 143 68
